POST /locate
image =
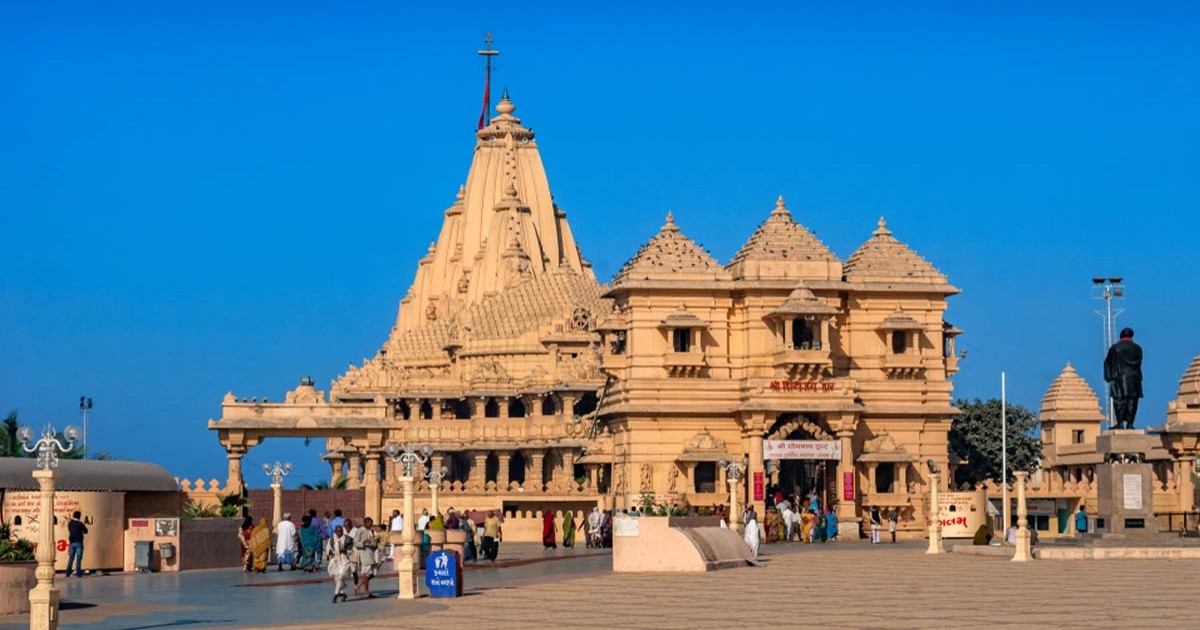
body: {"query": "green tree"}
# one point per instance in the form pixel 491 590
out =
pixel 10 446
pixel 338 484
pixel 232 504
pixel 975 439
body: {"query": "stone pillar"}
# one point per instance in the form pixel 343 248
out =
pixel 478 479
pixel 233 481
pixel 690 469
pixel 568 467
pixel 389 469
pixel 533 405
pixel 1184 485
pixel 406 564
pixel 374 491
pixel 336 464
pixel 277 504
pixel 594 477
pixel 533 477
pixel 44 597
pixel 871 477
pixel 787 333
pixel 502 471
pixel 756 466
pixel 1023 550
pixel 935 526
pixel 568 405
pixel 902 477
pixel 478 407
pixel 354 474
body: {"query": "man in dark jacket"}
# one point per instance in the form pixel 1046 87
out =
pixel 75 531
pixel 1123 372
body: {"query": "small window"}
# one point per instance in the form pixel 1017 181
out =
pixel 682 339
pixel 618 344
pixel 885 478
pixel 1077 436
pixel 491 409
pixel 899 342
pixel 802 335
pixel 706 477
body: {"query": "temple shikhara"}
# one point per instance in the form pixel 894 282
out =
pixel 539 386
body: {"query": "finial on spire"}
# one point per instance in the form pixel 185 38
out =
pixel 1069 368
pixel 505 106
pixel 780 208
pixel 670 226
pixel 510 191
pixel 462 192
pixel 432 247
pixel 883 228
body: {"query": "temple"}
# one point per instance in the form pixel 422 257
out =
pixel 538 386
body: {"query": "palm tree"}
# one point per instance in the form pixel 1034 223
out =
pixel 232 504
pixel 338 484
pixel 10 446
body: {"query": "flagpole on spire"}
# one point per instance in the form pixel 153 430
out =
pixel 487 53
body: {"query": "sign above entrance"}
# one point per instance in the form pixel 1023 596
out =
pixel 802 449
pixel 802 386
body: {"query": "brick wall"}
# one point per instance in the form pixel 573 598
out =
pixel 351 502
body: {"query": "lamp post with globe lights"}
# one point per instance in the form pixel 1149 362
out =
pixel 44 598
pixel 277 472
pixel 733 473
pixel 435 478
pixel 406 568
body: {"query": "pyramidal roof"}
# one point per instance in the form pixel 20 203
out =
pixel 1189 385
pixel 781 239
pixel 1070 398
pixel 883 258
pixel 669 255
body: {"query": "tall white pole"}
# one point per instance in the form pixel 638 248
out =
pixel 1004 449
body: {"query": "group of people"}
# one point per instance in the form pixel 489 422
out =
pixel 345 549
pixel 482 540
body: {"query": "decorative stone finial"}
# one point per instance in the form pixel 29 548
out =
pixel 432 247
pixel 505 106
pixel 462 192
pixel 670 226
pixel 780 208
pixel 1069 368
pixel 510 191
pixel 882 230
pixel 306 381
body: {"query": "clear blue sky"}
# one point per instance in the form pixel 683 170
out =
pixel 211 197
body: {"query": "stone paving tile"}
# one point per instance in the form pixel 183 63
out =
pixel 848 587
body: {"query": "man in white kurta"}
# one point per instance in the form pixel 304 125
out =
pixel 285 543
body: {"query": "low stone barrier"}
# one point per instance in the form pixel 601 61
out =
pixel 669 544
pixel 16 579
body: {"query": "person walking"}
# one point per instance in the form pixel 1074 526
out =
pixel 593 521
pixel 310 545
pixel 337 559
pixel 831 524
pixel 260 545
pixel 892 517
pixel 750 521
pixel 568 529
pixel 244 537
pixel 396 525
pixel 467 525
pixel 76 530
pixel 363 558
pixel 322 535
pixel 285 543
pixel 876 522
pixel 1081 521
pixel 492 536
pixel 549 541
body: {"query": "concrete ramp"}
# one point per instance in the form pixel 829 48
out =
pixel 675 544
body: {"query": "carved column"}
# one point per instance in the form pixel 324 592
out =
pixel 568 405
pixel 389 470
pixel 903 477
pixel 233 481
pixel 756 466
pixel 503 458
pixel 354 475
pixel 594 477
pixel 533 477
pixel 690 468
pixel 374 493
pixel 533 405
pixel 479 471
pixel 478 407
pixel 568 467
pixel 871 477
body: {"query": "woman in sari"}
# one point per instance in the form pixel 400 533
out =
pixel 548 530
pixel 806 526
pixel 310 545
pixel 467 525
pixel 260 545
pixel 831 524
pixel 568 529
pixel 244 538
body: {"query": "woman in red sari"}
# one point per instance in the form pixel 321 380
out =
pixel 244 537
pixel 548 530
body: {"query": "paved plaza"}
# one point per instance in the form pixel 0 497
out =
pixel 834 586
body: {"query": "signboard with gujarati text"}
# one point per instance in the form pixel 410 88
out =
pixel 848 486
pixel 802 386
pixel 758 486
pixel 1132 484
pixel 960 513
pixel 802 449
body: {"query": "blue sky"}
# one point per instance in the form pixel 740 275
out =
pixel 205 197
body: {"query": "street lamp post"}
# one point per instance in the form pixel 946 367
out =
pixel 435 478
pixel 277 472
pixel 406 569
pixel 1023 552
pixel 44 598
pixel 733 473
pixel 85 405
pixel 935 523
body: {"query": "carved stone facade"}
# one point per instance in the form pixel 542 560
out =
pixel 527 376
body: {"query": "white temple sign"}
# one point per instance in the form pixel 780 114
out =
pixel 802 449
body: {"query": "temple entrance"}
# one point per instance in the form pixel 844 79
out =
pixel 803 477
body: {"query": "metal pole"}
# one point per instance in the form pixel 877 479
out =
pixel 1004 448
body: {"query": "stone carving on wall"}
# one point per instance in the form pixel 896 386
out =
pixel 619 479
pixel 673 479
pixel 647 478
pixel 704 441
pixel 583 367
pixel 883 443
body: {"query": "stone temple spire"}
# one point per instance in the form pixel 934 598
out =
pixel 505 204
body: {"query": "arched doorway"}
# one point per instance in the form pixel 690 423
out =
pixel 804 477
pixel 516 467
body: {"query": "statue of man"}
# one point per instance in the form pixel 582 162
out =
pixel 1123 372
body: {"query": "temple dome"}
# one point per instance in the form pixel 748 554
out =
pixel 883 258
pixel 669 255
pixel 1070 398
pixel 1189 385
pixel 782 248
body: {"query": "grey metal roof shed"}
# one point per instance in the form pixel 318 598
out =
pixel 89 476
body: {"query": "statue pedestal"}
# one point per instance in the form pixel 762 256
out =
pixel 1125 491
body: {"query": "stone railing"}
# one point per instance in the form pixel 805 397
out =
pixel 200 491
pixel 526 526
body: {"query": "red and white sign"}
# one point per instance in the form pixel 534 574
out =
pixel 848 486
pixel 802 386
pixel 758 486
pixel 802 449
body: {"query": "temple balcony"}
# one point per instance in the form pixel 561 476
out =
pixel 902 365
pixel 802 364
pixel 685 364
pixel 951 366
